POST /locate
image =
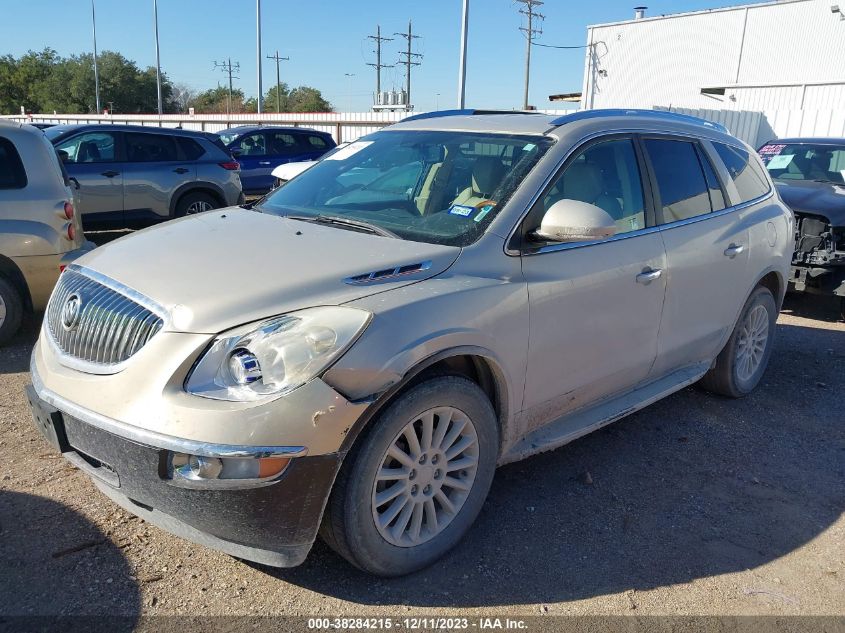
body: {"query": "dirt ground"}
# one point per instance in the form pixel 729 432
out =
pixel 696 505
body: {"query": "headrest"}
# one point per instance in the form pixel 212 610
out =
pixel 487 174
pixel 582 181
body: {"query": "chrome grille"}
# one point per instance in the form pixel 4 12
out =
pixel 109 326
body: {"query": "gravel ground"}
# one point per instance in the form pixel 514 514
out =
pixel 696 505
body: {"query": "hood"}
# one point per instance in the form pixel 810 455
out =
pixel 234 266
pixel 821 198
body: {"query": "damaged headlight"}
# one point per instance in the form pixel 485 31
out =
pixel 276 356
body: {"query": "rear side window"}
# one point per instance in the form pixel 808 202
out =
pixel 745 170
pixel 150 148
pixel 317 142
pixel 190 148
pixel 12 173
pixel 681 184
pixel 282 143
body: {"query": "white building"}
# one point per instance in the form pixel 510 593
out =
pixel 787 55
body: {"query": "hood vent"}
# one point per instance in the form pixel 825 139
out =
pixel 387 273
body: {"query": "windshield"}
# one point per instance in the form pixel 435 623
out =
pixel 57 130
pixel 437 187
pixel 805 161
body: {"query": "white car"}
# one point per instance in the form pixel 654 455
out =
pixel 285 172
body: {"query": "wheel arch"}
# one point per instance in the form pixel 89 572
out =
pixel 476 364
pixel 9 270
pixel 199 186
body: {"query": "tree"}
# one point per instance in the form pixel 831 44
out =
pixel 307 99
pixel 272 104
pixel 183 97
pixel 215 101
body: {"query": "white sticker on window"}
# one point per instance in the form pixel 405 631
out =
pixel 349 150
pixel 780 162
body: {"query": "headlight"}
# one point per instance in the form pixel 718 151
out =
pixel 276 356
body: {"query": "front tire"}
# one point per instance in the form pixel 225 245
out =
pixel 195 202
pixel 741 364
pixel 415 483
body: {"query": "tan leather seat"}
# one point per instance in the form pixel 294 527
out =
pixel 487 174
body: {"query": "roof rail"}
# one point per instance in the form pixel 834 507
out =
pixel 465 112
pixel 657 114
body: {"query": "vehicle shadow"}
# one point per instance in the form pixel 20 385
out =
pixel 51 570
pixel 14 356
pixel 691 487
pixel 820 308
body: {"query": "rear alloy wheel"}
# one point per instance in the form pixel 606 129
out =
pixel 741 364
pixel 414 484
pixel 11 311
pixel 193 203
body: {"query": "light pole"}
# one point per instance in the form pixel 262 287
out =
pixel 349 76
pixel 158 60
pixel 462 68
pixel 96 73
pixel 436 101
pixel 258 51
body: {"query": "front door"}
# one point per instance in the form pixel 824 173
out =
pixel 93 158
pixel 707 250
pixel 594 307
pixel 255 163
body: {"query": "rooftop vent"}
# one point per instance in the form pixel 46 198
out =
pixel 639 12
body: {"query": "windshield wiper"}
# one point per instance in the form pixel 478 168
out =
pixel 829 182
pixel 348 223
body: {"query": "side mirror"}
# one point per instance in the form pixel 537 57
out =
pixel 575 221
pixel 235 152
pixel 75 182
pixel 63 155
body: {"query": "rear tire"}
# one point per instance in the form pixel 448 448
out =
pixel 195 202
pixel 390 516
pixel 11 311
pixel 741 364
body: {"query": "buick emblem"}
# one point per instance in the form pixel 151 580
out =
pixel 71 312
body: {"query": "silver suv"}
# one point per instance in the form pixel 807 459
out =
pixel 358 352
pixel 133 176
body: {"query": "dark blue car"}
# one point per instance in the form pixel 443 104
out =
pixel 260 149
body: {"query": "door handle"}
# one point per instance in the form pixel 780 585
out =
pixel 647 276
pixel 264 162
pixel 733 250
pixel 110 174
pixel 181 170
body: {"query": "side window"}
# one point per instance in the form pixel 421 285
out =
pixel 92 147
pixel 253 145
pixel 683 190
pixel 745 170
pixel 12 173
pixel 717 196
pixel 282 143
pixel 150 148
pixel 317 142
pixel 191 150
pixel 607 175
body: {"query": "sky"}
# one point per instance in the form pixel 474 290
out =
pixel 326 39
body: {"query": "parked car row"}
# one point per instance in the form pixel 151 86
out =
pixel 355 354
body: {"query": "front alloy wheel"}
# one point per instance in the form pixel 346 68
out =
pixel 416 478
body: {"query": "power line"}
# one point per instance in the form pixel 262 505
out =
pixel 528 10
pixel 408 62
pixel 278 80
pixel 378 65
pixel 229 68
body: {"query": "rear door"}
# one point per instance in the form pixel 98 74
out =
pixel 313 145
pixel 156 167
pixel 95 160
pixel 706 248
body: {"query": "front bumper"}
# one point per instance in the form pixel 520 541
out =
pixel 818 280
pixel 273 524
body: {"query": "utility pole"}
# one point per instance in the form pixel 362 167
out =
pixel 528 10
pixel 96 74
pixel 158 61
pixel 229 68
pixel 462 68
pixel 408 62
pixel 278 82
pixel 378 65
pixel 258 51
pixel 349 77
